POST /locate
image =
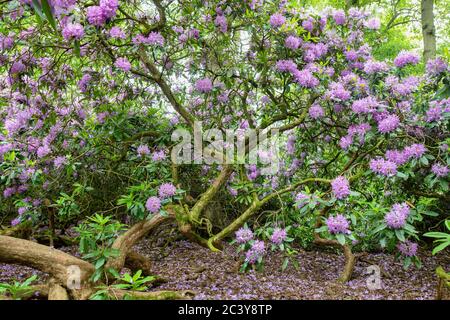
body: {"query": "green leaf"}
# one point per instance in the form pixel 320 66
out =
pixel 48 13
pixel 444 185
pixel 430 213
pixel 424 161
pixel 440 247
pixel 114 272
pixel 99 263
pixel 379 228
pixel 407 262
pixel 321 229
pixel 402 175
pixel 340 238
pixel 400 235
pixel 409 228
pixel 37 8
pixel 137 275
pixel 436 235
pixel 285 264
pixel 127 278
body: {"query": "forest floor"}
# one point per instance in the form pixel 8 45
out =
pixel 187 266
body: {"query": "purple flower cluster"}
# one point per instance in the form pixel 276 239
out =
pixel 305 78
pixel 204 85
pixel 73 31
pixel 286 66
pixel 389 123
pixel 158 155
pixel 360 130
pixel 253 172
pixel 17 67
pixel 143 150
pixel 277 20
pixel 84 82
pixel 155 38
pixel 404 58
pixel 384 167
pixel 290 145
pixel 59 162
pixel 43 151
pixel 316 111
pixel 153 204
pixel 365 105
pixel 337 91
pixel 439 169
pixel 308 24
pixel 437 110
pixel 97 15
pixel 256 252
pixel 167 190
pixel 221 23
pixel 339 17
pixel 243 235
pixel 372 67
pixel 396 218
pixel 340 187
pixel 9 192
pixel 292 42
pixel 401 157
pixel 373 23
pixel 408 248
pixel 415 150
pixel 436 67
pixel 278 236
pixel 117 33
pixel 123 63
pixel 338 224
pixel 314 51
pixel 301 199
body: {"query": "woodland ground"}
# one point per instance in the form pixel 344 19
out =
pixel 187 266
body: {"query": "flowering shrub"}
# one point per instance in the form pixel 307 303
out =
pixel 277 238
pixel 91 92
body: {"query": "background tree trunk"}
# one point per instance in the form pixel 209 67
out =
pixel 428 30
pixel 351 3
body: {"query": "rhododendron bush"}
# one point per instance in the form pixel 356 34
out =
pixel 91 92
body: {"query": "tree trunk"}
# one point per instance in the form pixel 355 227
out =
pixel 350 258
pixel 351 3
pixel 428 30
pixel 126 241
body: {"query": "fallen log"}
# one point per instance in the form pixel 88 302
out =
pixel 443 286
pixel 43 258
pixel 57 292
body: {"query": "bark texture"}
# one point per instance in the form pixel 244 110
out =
pixel 46 259
pixel 428 29
pixel 126 241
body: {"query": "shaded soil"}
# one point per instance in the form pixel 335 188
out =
pixel 187 266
